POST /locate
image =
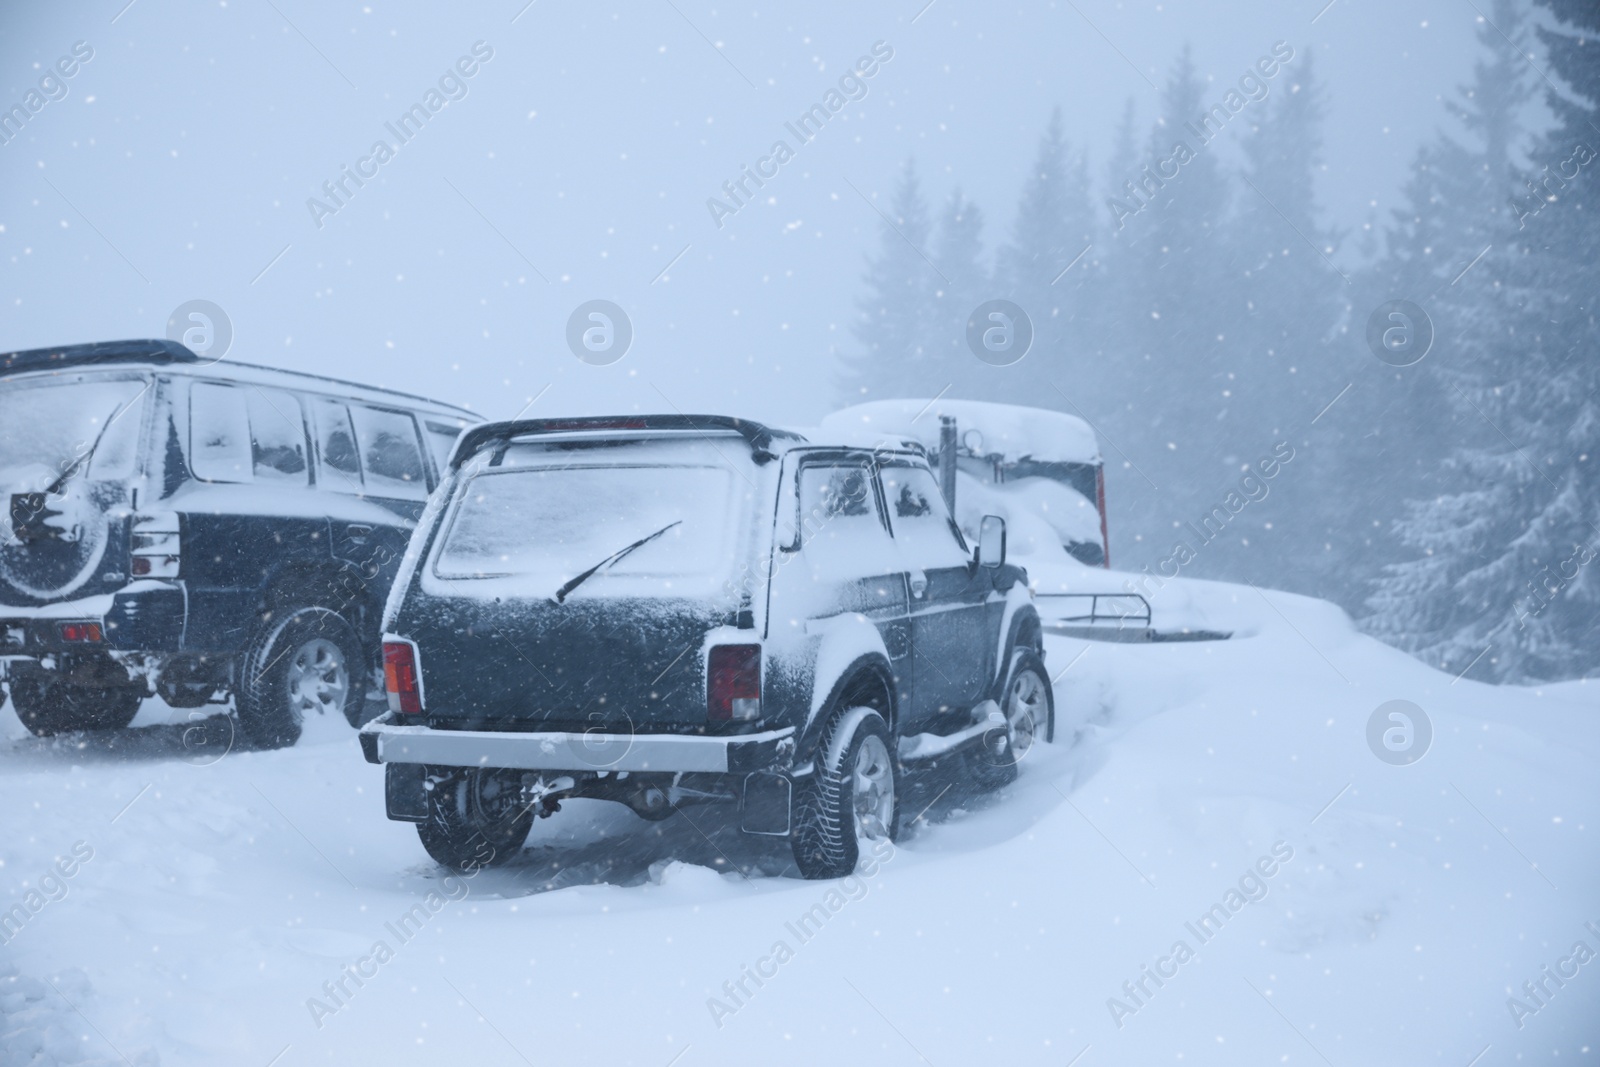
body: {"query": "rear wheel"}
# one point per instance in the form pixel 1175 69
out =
pixel 851 802
pixel 476 818
pixel 48 704
pixel 302 662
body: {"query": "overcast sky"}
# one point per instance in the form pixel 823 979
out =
pixel 577 166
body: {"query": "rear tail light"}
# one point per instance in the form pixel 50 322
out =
pixel 1100 502
pixel 85 632
pixel 155 548
pixel 401 677
pixel 733 683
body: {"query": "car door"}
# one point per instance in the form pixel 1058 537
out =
pixel 952 650
pixel 837 558
pixel 243 436
pixel 373 456
pixel 360 534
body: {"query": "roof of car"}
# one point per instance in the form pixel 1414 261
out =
pixel 765 442
pixel 180 358
pixel 1008 432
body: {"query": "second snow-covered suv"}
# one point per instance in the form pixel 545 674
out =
pixel 660 610
pixel 174 526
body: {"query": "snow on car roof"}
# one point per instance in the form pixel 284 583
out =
pixel 864 438
pixel 765 442
pixel 319 383
pixel 174 358
pixel 1009 431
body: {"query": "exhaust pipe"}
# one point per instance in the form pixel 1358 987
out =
pixel 947 460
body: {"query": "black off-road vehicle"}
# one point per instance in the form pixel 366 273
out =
pixel 660 610
pixel 173 527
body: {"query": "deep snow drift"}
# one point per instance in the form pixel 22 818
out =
pixel 1333 907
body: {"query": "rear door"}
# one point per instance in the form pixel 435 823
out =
pixel 375 457
pixel 69 451
pixel 392 467
pixel 952 651
pixel 243 435
pixel 571 585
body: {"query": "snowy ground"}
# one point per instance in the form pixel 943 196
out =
pixel 221 896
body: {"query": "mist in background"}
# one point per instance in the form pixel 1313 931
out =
pixel 1220 323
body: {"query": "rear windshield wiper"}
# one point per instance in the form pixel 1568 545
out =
pixel 31 512
pixel 84 457
pixel 561 594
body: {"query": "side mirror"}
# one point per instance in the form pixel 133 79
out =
pixel 992 541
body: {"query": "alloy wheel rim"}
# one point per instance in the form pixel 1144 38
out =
pixel 319 678
pixel 1026 713
pixel 872 790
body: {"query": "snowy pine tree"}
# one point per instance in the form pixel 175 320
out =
pixel 1053 227
pixel 964 283
pixel 1283 367
pixel 896 317
pixel 1501 570
pixel 1169 278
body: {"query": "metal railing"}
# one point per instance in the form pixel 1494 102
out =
pixel 1104 609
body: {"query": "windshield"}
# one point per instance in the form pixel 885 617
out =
pixel 550 523
pixel 46 426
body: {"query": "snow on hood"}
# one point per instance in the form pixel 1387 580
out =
pixel 1009 431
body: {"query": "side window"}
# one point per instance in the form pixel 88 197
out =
pixel 219 433
pixel 921 522
pixel 277 437
pixel 338 465
pixel 441 439
pixel 391 455
pixel 841 527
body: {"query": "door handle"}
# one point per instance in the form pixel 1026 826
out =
pixel 358 532
pixel 919 584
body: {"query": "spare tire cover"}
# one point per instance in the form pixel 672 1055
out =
pixel 55 569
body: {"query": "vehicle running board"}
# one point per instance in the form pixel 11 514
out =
pixel 917 747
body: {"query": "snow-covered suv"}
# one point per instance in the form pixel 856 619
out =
pixel 192 529
pixel 660 610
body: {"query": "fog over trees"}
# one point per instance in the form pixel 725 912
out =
pixel 1203 303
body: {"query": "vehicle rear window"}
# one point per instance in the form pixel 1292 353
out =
pixel 391 455
pixel 47 425
pixel 552 522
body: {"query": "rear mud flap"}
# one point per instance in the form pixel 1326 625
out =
pixel 404 795
pixel 764 807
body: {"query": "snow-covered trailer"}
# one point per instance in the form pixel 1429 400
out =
pixel 1046 461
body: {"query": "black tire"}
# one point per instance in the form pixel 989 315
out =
pixel 48 704
pixel 475 817
pixel 301 661
pixel 1026 696
pixel 827 837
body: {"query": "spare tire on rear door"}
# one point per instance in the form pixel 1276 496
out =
pixel 52 544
